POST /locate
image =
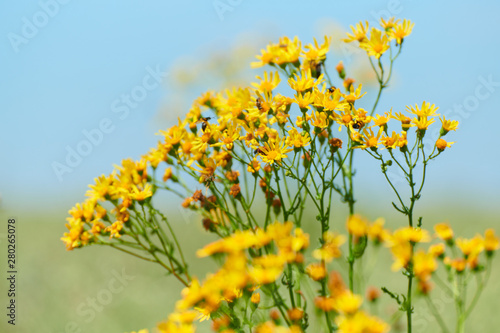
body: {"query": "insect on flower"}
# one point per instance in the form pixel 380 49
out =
pixel 204 123
pixel 358 124
pixel 258 103
pixel 258 151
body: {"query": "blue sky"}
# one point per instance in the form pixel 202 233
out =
pixel 68 66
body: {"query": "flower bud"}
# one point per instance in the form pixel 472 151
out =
pixel 335 144
pixel 372 294
pixel 340 69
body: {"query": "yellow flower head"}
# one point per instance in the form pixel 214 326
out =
pixel 358 33
pixel 448 125
pixel 390 142
pixel 471 246
pixel 319 119
pixel 304 100
pixel 296 139
pixel 376 45
pixel 347 302
pixel 377 232
pixel 274 151
pixel 316 53
pixel 268 83
pixel 401 30
pixel 426 110
pixel 437 250
pixel 316 271
pixel 491 242
pixel 360 322
pixel 441 144
pixel 389 24
pixel 424 265
pixel 444 231
pixel 286 51
pixel 330 248
pixel 382 120
pixel 357 225
pixel 304 81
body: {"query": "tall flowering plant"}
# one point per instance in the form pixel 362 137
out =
pixel 264 159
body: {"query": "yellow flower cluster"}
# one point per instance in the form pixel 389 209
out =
pixel 377 41
pixel 470 249
pixel 267 137
pixel 347 306
pixel 127 186
pixel 261 122
pixel 240 274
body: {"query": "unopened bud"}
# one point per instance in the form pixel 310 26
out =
pixel 340 69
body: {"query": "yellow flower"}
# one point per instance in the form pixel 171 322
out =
pixel 358 32
pixel 114 229
pixel 255 299
pixel 140 195
pixel 304 81
pixel 204 313
pixel 415 235
pixel 437 250
pixel 471 246
pixel 227 138
pixel 357 225
pixel 423 123
pixel 377 232
pixel 360 322
pixel 324 303
pixel 491 242
pixel 402 140
pixel 354 95
pixel 401 252
pixel 327 100
pixel 315 52
pixel 382 120
pixel 448 125
pixel 444 231
pixel 207 169
pixel 401 30
pixel 319 119
pixel 347 302
pixel 426 110
pixel 423 265
pixel 254 166
pixel 401 247
pixel 330 248
pixel 368 139
pixel 296 139
pixel 261 275
pixel 268 84
pixel 304 100
pixel 376 45
pixel 389 24
pixel 100 190
pixel 405 121
pixel 441 144
pixel 295 314
pixel 286 51
pixel 458 264
pixel 274 151
pixel 390 142
pixel 316 271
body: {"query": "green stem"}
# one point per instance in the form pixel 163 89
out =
pixel 436 314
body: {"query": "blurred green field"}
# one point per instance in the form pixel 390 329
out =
pixel 56 287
